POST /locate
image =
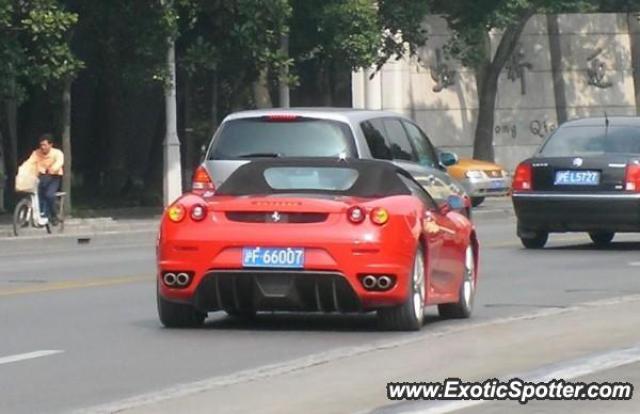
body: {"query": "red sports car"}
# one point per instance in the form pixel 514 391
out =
pixel 316 235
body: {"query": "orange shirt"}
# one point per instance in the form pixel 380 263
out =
pixel 50 163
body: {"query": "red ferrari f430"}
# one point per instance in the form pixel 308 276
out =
pixel 316 235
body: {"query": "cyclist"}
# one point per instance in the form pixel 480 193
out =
pixel 48 162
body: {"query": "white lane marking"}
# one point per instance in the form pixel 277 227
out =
pixel 281 368
pixel 29 355
pixel 566 370
pixel 634 264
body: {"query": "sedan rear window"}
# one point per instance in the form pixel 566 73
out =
pixel 310 178
pixel 267 137
pixel 592 140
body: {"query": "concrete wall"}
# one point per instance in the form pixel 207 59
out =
pixel 526 108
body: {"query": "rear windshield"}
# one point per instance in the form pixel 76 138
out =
pixel 592 140
pixel 310 178
pixel 297 137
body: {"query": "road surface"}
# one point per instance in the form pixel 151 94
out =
pixel 80 333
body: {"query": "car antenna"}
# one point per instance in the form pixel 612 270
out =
pixel 606 125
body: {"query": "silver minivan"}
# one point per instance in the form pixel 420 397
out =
pixel 326 132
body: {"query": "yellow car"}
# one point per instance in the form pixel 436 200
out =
pixel 480 179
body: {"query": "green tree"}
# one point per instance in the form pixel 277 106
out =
pixel 471 22
pixel 328 36
pixel 34 51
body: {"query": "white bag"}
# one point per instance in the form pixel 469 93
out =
pixel 26 180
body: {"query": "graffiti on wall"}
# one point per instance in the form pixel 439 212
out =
pixel 441 73
pixel 537 127
pixel 597 71
pixel 516 69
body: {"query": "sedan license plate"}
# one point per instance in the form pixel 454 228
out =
pixel 287 257
pixel 495 184
pixel 573 177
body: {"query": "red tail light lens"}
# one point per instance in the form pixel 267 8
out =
pixel 198 212
pixel 282 118
pixel 632 178
pixel 379 216
pixel 356 215
pixel 202 181
pixel 522 178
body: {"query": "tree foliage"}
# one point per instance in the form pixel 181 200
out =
pixel 34 47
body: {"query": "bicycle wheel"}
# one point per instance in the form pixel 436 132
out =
pixel 22 216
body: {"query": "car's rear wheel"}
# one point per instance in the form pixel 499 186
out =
pixel 467 292
pixel 601 238
pixel 535 241
pixel 178 315
pixel 410 315
pixel 476 201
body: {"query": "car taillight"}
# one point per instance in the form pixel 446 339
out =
pixel 632 178
pixel 198 212
pixel 379 216
pixel 356 215
pixel 176 213
pixel 282 118
pixel 202 181
pixel 522 177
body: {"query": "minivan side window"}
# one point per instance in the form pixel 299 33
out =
pixel 426 153
pixel 374 133
pixel 401 148
pixel 418 191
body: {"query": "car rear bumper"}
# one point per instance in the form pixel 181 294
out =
pixel 487 187
pixel 330 282
pixel 561 212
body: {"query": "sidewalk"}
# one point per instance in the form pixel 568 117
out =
pixel 91 222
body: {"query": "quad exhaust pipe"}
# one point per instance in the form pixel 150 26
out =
pixel 182 279
pixel 177 279
pixel 169 279
pixel 377 282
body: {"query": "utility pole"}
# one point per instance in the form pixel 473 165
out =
pixel 172 169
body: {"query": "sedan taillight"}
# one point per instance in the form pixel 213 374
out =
pixel 522 178
pixel 201 181
pixel 632 178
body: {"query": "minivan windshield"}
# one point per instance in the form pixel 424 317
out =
pixel 265 137
pixel 592 140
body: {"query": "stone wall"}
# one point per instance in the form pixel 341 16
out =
pixel 589 54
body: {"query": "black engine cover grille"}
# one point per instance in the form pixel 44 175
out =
pixel 305 291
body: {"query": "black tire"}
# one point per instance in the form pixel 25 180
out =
pixel 21 215
pixel 463 308
pixel 178 315
pixel 476 201
pixel 410 315
pixel 601 238
pixel 537 241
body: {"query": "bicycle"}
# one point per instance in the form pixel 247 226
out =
pixel 27 214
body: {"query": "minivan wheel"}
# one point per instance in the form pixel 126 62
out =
pixel 601 238
pixel 535 241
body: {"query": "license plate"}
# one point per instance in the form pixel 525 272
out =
pixel 497 184
pixel 572 177
pixel 286 257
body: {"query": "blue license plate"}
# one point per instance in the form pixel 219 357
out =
pixel 497 184
pixel 573 177
pixel 286 257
